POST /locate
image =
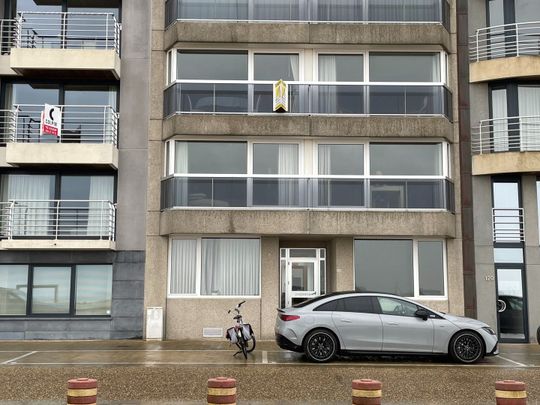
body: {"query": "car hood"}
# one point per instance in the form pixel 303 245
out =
pixel 463 321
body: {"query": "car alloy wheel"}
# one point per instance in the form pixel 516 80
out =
pixel 321 346
pixel 467 347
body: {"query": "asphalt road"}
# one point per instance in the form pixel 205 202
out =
pixel 177 371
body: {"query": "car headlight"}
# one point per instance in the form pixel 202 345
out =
pixel 489 330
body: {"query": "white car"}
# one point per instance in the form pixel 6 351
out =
pixel 351 322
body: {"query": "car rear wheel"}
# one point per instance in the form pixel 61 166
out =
pixel 466 347
pixel 538 335
pixel 320 346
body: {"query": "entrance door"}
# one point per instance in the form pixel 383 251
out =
pixel 303 275
pixel 511 308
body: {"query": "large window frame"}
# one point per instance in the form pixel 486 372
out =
pixel 198 274
pixel 416 271
pixel 72 313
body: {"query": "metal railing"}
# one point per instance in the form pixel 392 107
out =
pixel 346 11
pixel 292 192
pixel 61 30
pixel 504 41
pixel 309 98
pixel 508 225
pixel 80 124
pixel 509 134
pixel 58 219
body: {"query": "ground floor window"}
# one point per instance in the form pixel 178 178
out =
pixel 65 290
pixel 410 268
pixel 214 267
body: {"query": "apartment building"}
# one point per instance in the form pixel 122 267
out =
pixel 505 110
pixel 356 186
pixel 72 208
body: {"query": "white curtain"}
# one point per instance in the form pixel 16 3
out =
pixel 288 165
pixel 500 124
pixel 325 169
pixel 529 111
pixel 100 213
pixel 32 210
pixel 230 267
pixel 327 94
pixel 295 66
pixel 181 166
pixel 183 267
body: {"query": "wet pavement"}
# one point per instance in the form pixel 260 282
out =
pixel 145 373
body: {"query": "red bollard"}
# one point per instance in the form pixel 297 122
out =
pixel 82 391
pixel 366 392
pixel 510 392
pixel 221 390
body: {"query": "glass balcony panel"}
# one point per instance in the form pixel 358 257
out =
pixel 196 97
pixel 263 98
pixel 230 192
pixel 276 192
pixel 279 10
pixel 423 100
pixel 404 10
pixel 338 99
pixel 231 98
pixel 340 10
pixel 388 194
pixel 387 100
pixel 340 193
pixel 213 9
pixel 424 194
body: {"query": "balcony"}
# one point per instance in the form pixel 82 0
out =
pixel 89 136
pixel 62 44
pixel 325 11
pixel 508 225
pixel 57 224
pixel 506 145
pixel 505 52
pixel 406 22
pixel 300 193
pixel 309 99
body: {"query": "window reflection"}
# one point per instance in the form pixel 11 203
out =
pixel 51 290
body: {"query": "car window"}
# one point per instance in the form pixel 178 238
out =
pixel 355 304
pixel 327 306
pixel 393 306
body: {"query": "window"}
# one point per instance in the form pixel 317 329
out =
pixel 215 267
pixel 341 68
pixel 276 66
pixel 406 159
pixel 211 157
pixel 405 67
pixel 51 292
pixel 204 65
pixel 327 306
pixel 355 304
pixel 410 268
pixel 393 306
pixel 13 289
pixel 274 158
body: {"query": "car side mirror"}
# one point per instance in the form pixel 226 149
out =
pixel 422 313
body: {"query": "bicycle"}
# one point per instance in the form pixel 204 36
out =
pixel 241 334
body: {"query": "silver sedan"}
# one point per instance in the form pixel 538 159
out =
pixel 379 323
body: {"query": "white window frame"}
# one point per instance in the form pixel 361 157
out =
pixel 416 271
pixel 198 261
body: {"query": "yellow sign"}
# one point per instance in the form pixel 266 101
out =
pixel 281 96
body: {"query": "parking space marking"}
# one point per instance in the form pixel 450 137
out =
pixel 517 363
pixel 18 358
pixel 265 357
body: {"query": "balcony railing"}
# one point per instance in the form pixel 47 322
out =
pixel 347 11
pixel 309 98
pixel 80 124
pixel 508 225
pixel 504 41
pixel 284 192
pixel 57 30
pixel 57 219
pixel 510 134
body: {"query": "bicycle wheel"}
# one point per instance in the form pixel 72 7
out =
pixel 244 348
pixel 250 344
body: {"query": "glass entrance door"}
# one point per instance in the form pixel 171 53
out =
pixel 511 305
pixel 303 275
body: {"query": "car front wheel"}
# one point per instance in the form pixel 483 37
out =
pixel 466 347
pixel 320 346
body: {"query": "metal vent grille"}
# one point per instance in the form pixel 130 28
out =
pixel 212 332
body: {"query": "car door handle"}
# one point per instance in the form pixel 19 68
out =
pixel 346 320
pixel 392 323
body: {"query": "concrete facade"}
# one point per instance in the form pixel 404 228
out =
pixel 331 229
pixel 511 165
